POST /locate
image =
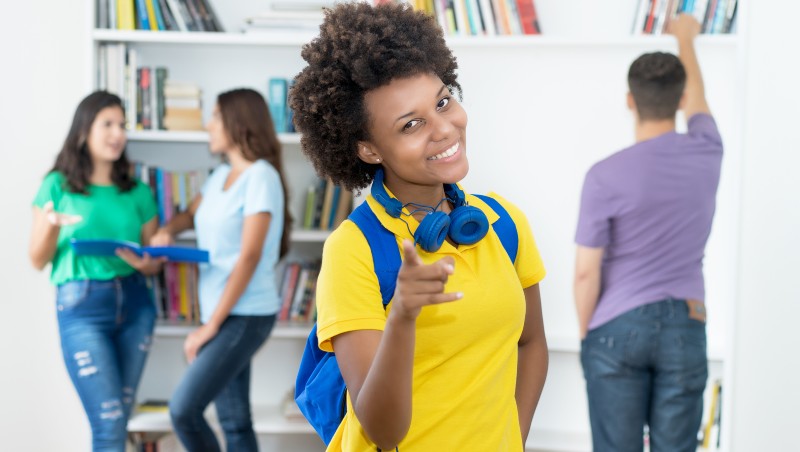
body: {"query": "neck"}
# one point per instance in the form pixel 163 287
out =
pixel 648 129
pixel 420 194
pixel 101 173
pixel 237 161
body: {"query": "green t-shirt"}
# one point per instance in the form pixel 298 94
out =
pixel 107 214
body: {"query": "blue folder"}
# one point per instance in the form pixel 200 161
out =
pixel 109 248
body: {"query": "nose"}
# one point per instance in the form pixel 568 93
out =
pixel 442 128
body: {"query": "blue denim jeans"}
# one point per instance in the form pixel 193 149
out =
pixel 106 329
pixel 646 367
pixel 220 373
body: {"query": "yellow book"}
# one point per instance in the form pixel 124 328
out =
pixel 712 411
pixel 126 19
pixel 151 15
pixel 183 291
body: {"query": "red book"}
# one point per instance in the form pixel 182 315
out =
pixel 528 17
pixel 651 17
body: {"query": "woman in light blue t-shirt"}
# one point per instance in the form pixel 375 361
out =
pixel 241 217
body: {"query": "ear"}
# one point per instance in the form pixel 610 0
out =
pixel 630 102
pixel 682 102
pixel 367 153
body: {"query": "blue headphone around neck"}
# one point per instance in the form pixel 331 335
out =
pixel 464 225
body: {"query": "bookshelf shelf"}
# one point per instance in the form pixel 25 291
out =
pixel 291 39
pixel 266 419
pixel 458 42
pixel 298 236
pixel 297 39
pixel 166 136
pixel 282 330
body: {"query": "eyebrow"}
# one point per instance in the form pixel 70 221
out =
pixel 411 113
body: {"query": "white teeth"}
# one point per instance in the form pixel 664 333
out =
pixel 446 153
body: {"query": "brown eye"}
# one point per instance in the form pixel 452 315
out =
pixel 443 103
pixel 411 124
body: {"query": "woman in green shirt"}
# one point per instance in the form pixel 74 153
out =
pixel 105 310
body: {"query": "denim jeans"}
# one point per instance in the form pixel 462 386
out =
pixel 220 373
pixel 646 367
pixel 106 328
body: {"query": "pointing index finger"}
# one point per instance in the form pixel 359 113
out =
pixel 410 253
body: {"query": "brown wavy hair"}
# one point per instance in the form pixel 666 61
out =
pixel 248 123
pixel 74 161
pixel 360 48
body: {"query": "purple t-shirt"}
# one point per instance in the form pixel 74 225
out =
pixel 651 206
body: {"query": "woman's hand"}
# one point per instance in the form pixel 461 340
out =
pixel 162 237
pixel 145 265
pixel 59 219
pixel 421 285
pixel 197 339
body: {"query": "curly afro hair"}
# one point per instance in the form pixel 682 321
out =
pixel 360 48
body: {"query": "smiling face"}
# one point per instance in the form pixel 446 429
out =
pixel 107 137
pixel 418 134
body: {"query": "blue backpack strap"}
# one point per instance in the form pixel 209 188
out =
pixel 504 227
pixel 383 244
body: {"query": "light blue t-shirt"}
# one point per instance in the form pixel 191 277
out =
pixel 219 220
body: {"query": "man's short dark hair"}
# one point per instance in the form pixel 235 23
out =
pixel 656 81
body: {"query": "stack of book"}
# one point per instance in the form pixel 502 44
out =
pixel 327 205
pixel 715 16
pixel 157 15
pixel 175 289
pixel 182 106
pixel 298 292
pixel 152 101
pixel 286 16
pixel 481 17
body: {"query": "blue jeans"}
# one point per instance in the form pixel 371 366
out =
pixel 646 367
pixel 220 373
pixel 106 329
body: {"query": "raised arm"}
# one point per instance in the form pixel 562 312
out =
pixel 685 28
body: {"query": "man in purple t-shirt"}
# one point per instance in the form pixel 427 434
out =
pixel 645 217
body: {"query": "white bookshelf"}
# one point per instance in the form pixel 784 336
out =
pixel 266 420
pixel 168 136
pixel 542 109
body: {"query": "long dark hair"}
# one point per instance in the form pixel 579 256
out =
pixel 249 126
pixel 74 161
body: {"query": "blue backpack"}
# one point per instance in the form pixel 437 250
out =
pixel 320 391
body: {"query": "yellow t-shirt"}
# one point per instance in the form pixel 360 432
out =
pixel 465 362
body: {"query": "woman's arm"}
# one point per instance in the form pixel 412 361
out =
pixel 378 366
pixel 145 265
pixel 44 234
pixel 533 360
pixel 180 222
pixel 254 233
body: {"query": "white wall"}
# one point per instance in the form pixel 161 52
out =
pixel 43 58
pixel 44 63
pixel 764 411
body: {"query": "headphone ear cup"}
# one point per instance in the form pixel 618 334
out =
pixel 432 231
pixel 468 224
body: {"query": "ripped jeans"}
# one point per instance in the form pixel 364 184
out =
pixel 106 328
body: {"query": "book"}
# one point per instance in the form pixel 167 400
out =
pixel 153 406
pixel 278 90
pixel 108 247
